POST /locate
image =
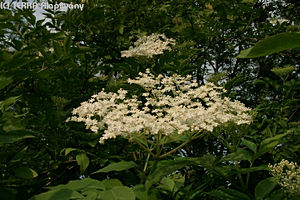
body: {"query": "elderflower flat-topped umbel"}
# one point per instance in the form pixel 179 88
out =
pixel 149 46
pixel 171 105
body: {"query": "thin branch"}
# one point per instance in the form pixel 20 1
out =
pixel 174 150
pixel 197 135
pixel 145 148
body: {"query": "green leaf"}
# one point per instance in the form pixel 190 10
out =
pixel 67 44
pixel 248 1
pixel 166 167
pixel 13 136
pixel 83 161
pixel 140 140
pixel 121 29
pixel 86 183
pixel 85 49
pixel 6 56
pixel 232 194
pixel 119 166
pixel 91 194
pixel 68 150
pixel 141 193
pixel 276 195
pixel 176 138
pixel 219 194
pixel 110 183
pixel 5 81
pixel 252 146
pixel 25 172
pixel 264 187
pixel 240 154
pixel 253 169
pixel 57 49
pixel 63 194
pixel 7 103
pixel 235 194
pixel 118 193
pixel 269 144
pixel 167 184
pixel 272 44
pixel 271 139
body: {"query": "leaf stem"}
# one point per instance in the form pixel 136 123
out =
pixel 197 135
pixel 145 148
pixel 146 163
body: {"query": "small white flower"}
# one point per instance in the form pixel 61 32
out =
pixel 161 112
pixel 149 46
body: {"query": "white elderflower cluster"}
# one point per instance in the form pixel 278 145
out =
pixel 276 20
pixel 287 175
pixel 149 46
pixel 170 104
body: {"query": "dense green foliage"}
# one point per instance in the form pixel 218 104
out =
pixel 49 66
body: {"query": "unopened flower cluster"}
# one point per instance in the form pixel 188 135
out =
pixel 170 104
pixel 287 175
pixel 149 46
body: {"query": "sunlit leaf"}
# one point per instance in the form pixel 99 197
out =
pixel 118 193
pixel 5 81
pixel 83 161
pixel 272 44
pixel 252 146
pixel 119 166
pixel 86 183
pixel 63 194
pixel 25 172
